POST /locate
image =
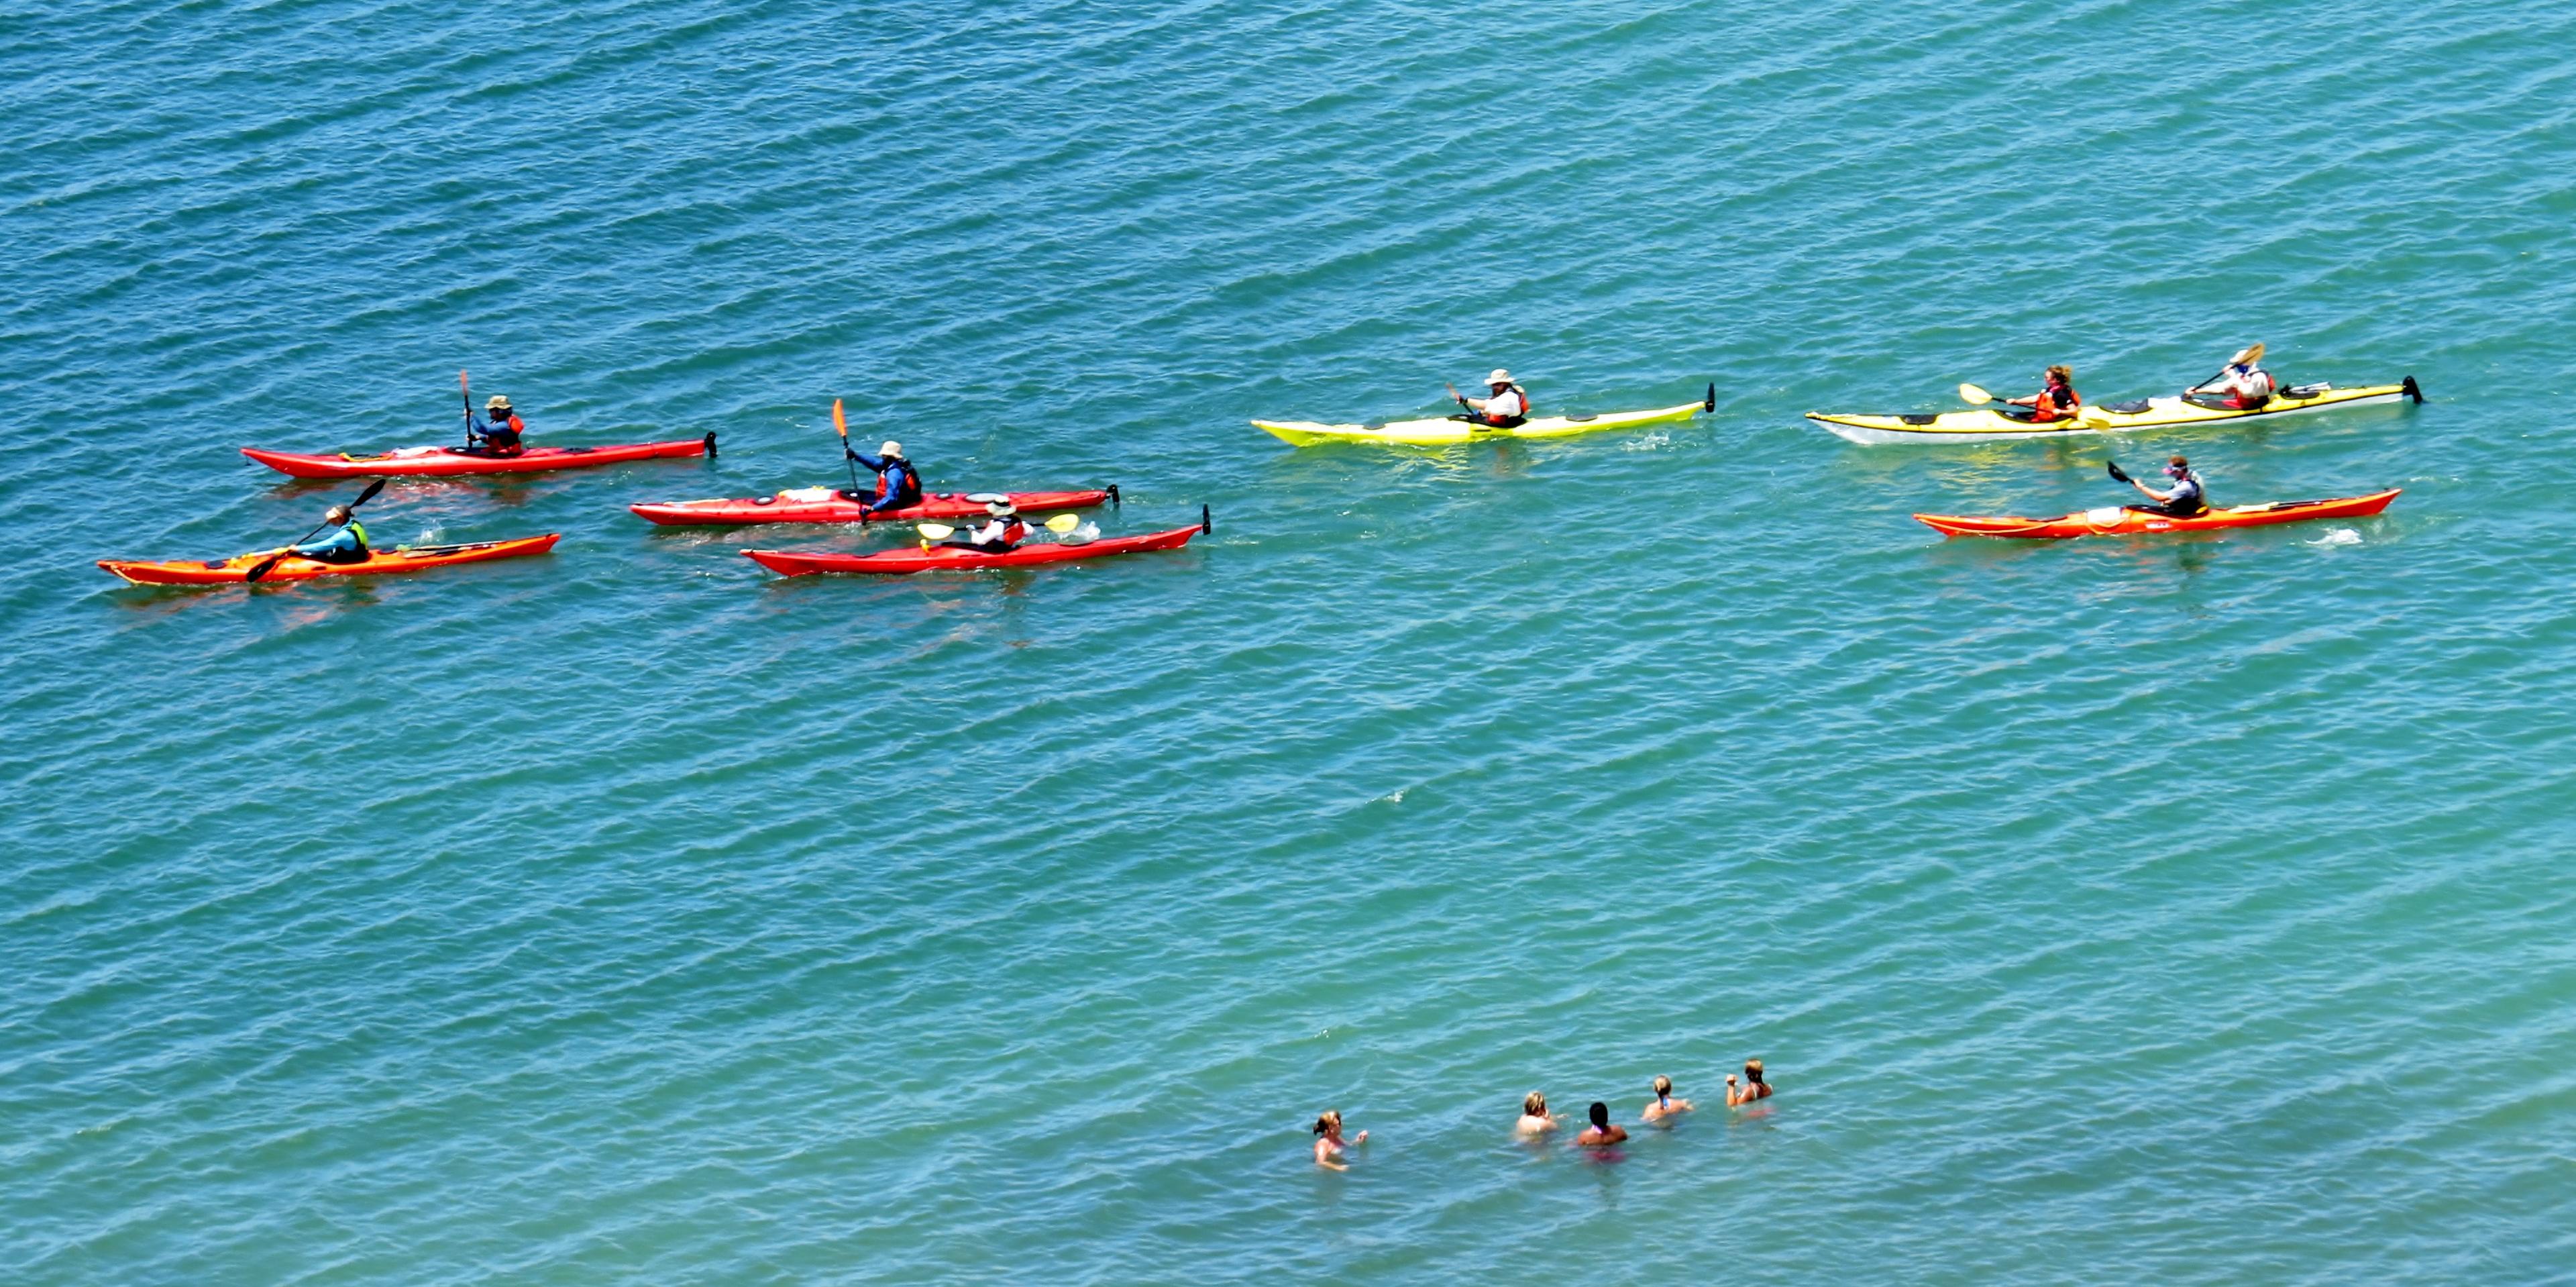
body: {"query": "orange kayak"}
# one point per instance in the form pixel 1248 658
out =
pixel 232 571
pixel 2122 521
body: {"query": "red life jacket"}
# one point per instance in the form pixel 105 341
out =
pixel 2056 402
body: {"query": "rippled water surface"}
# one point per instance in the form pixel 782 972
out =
pixel 2167 910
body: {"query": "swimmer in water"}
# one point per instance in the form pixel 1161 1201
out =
pixel 1329 1142
pixel 1754 1087
pixel 1663 1106
pixel 1535 1119
pixel 1601 1133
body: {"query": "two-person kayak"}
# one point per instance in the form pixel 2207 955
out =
pixel 233 571
pixel 949 558
pixel 1451 431
pixel 2117 520
pixel 831 505
pixel 448 462
pixel 1988 425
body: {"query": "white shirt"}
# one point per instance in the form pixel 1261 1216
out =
pixel 2244 381
pixel 1504 405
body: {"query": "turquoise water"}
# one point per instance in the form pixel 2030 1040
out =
pixel 2178 910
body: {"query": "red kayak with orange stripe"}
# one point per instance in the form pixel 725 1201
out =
pixel 2124 521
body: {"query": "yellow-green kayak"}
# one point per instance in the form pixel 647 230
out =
pixel 1987 425
pixel 1449 433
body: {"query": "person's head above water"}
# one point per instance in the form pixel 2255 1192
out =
pixel 1663 1087
pixel 2177 467
pixel 1533 1104
pixel 2061 374
pixel 1600 1115
pixel 498 403
pixel 890 448
pixel 1500 379
pixel 1329 1123
pixel 1753 1071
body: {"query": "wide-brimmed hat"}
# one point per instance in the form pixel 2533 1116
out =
pixel 1500 376
pixel 498 403
pixel 1001 508
pixel 2248 355
pixel 889 448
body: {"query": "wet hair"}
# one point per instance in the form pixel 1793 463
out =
pixel 2062 373
pixel 1533 1104
pixel 1600 1115
pixel 1332 1118
pixel 1753 1071
pixel 1663 1085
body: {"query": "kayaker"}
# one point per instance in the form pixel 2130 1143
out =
pixel 1663 1105
pixel 2057 400
pixel 2185 499
pixel 1535 1119
pixel 1754 1087
pixel 2243 385
pixel 347 544
pixel 997 534
pixel 1601 1133
pixel 898 483
pixel 1509 406
pixel 1329 1144
pixel 499 434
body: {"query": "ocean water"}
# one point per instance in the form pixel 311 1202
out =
pixel 2184 910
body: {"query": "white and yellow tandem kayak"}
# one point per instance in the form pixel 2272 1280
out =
pixel 1989 425
pixel 1449 433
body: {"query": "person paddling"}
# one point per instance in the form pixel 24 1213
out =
pixel 2242 385
pixel 2185 499
pixel 2057 400
pixel 898 483
pixel 1000 531
pixel 1508 407
pixel 499 433
pixel 346 543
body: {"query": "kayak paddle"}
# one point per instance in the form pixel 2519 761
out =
pixel 465 392
pixel 271 562
pixel 1973 395
pixel 2118 474
pixel 842 423
pixel 1060 524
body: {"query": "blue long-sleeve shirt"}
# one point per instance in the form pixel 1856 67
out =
pixel 897 475
pixel 339 541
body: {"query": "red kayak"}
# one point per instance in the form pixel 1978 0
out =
pixel 445 462
pixel 825 505
pixel 2123 521
pixel 943 558
pixel 235 570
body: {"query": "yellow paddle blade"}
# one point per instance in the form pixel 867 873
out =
pixel 936 531
pixel 839 421
pixel 1063 523
pixel 1973 394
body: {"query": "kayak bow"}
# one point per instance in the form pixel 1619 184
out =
pixel 1449 433
pixel 946 558
pixel 826 505
pixel 447 462
pixel 1989 425
pixel 233 571
pixel 2124 521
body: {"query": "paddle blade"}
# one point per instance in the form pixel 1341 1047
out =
pixel 935 531
pixel 263 568
pixel 1710 405
pixel 369 494
pixel 840 422
pixel 1063 523
pixel 2118 475
pixel 1972 394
